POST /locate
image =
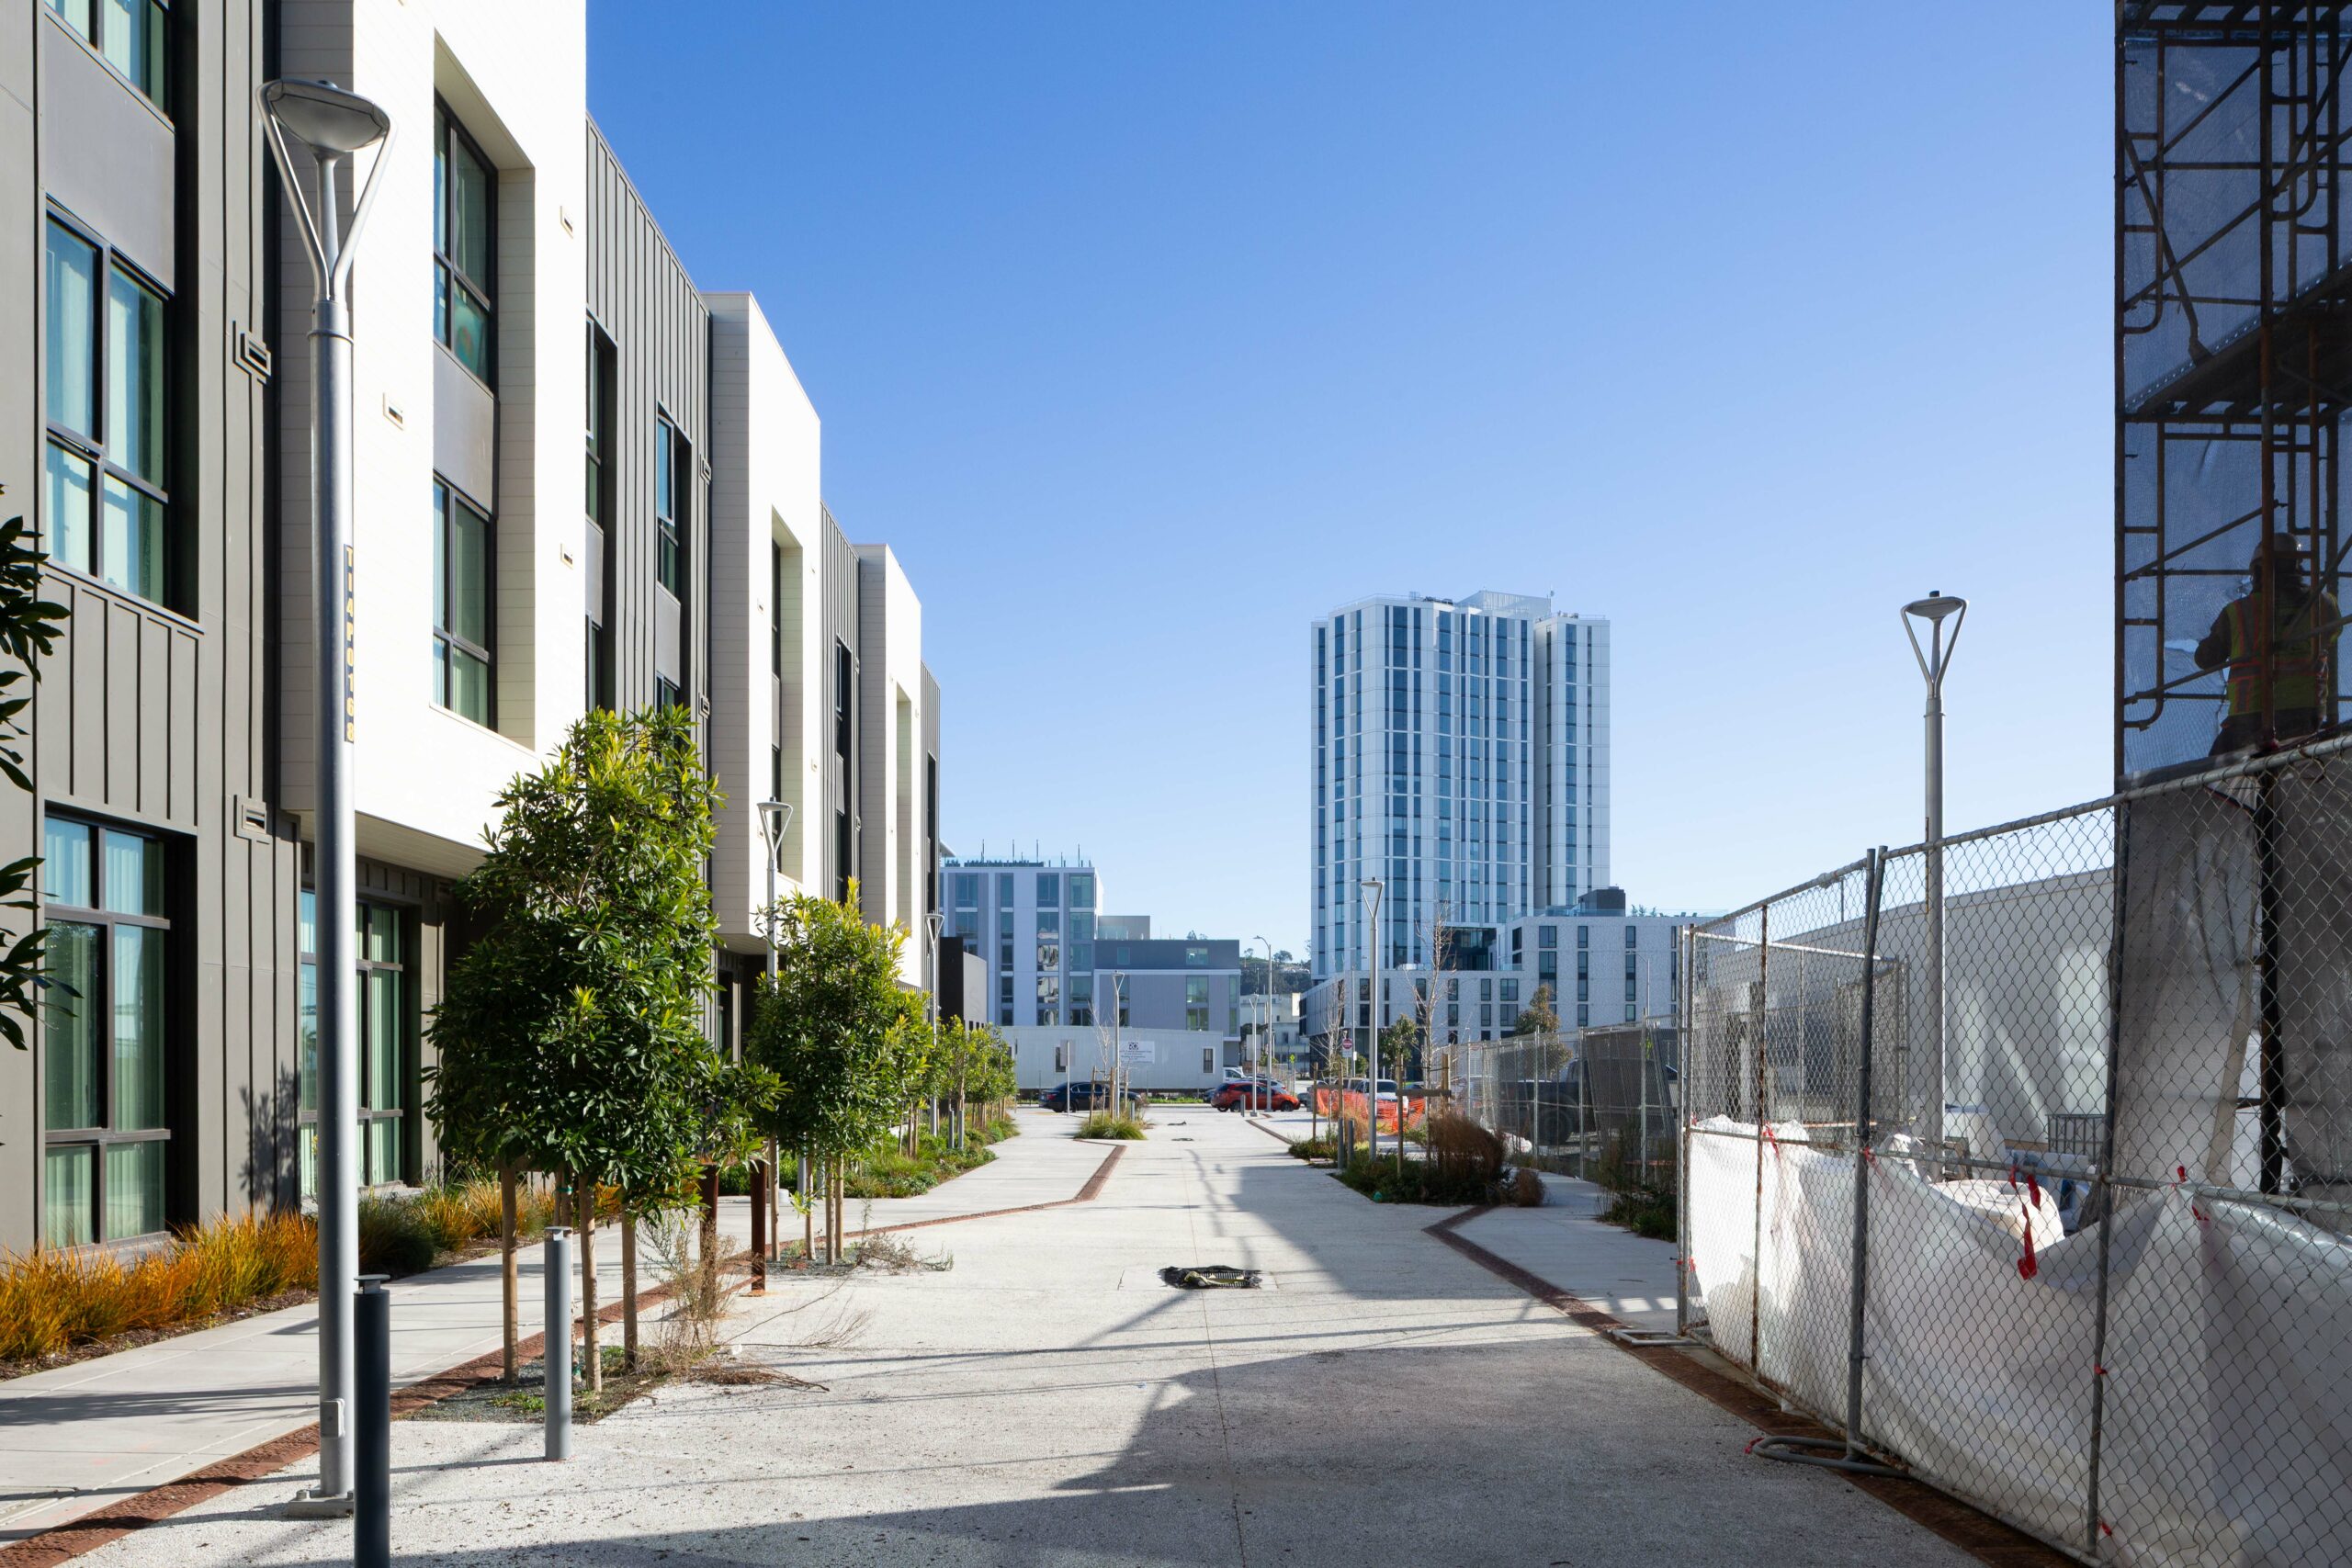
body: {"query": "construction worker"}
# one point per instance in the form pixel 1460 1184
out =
pixel 2281 614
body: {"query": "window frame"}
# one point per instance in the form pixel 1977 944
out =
pixel 104 1135
pixel 484 291
pixel 598 479
pixel 452 497
pixel 306 1120
pixel 671 451
pixel 159 38
pixel 96 448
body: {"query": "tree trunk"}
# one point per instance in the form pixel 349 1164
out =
pixel 586 1201
pixel 629 1288
pixel 807 1207
pixel 710 1218
pixel 776 1198
pixel 509 1319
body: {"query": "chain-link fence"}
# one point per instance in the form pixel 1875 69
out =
pixel 2025 1159
pixel 1597 1103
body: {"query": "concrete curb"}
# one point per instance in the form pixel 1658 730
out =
pixel 62 1543
pixel 1978 1534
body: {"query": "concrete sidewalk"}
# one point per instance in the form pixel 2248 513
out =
pixel 1383 1399
pixel 79 1438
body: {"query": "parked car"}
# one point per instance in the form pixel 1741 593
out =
pixel 1079 1094
pixel 1260 1095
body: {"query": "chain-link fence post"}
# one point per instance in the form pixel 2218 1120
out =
pixel 1683 1012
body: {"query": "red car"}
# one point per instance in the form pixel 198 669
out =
pixel 1259 1095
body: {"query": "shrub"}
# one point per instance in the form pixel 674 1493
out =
pixel 996 1129
pixel 1526 1188
pixel 395 1236
pixel 1388 1180
pixel 1467 1154
pixel 1106 1124
pixel 1322 1147
pixel 1645 1212
pixel 51 1301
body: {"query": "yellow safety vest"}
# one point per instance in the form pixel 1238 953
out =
pixel 2295 655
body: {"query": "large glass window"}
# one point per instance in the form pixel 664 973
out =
pixel 1196 1001
pixel 1049 940
pixel 384 1065
pixel 461 658
pixel 104 376
pixel 105 1035
pixel 1081 890
pixel 132 34
pixel 1049 999
pixel 599 492
pixel 465 205
pixel 669 513
pixel 1049 890
pixel 1082 1001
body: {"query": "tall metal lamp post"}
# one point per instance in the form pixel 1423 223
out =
pixel 1372 890
pixel 1935 658
pixel 932 923
pixel 775 820
pixel 330 125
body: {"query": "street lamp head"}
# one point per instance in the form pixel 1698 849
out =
pixel 1935 608
pixel 330 120
pixel 775 818
pixel 932 923
pixel 1936 656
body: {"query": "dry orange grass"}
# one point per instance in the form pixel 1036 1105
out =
pixel 52 1300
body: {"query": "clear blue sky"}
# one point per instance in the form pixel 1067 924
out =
pixel 1146 334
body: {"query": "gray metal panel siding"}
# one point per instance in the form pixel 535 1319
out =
pixel 465 431
pixel 147 717
pixel 640 295
pixel 106 156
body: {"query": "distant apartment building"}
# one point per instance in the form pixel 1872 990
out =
pixel 1064 980
pixel 1460 757
pixel 582 482
pixel 1600 961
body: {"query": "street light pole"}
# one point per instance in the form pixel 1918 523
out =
pixel 932 923
pixel 331 125
pixel 1373 887
pixel 1934 660
pixel 775 820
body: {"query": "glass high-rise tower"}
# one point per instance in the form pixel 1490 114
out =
pixel 1461 754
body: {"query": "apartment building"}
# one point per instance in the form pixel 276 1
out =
pixel 581 481
pixel 1600 960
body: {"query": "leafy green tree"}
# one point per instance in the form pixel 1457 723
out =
pixel 829 1027
pixel 1398 1045
pixel 570 1034
pixel 29 629
pixel 1538 1017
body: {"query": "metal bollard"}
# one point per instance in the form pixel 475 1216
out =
pixel 556 1360
pixel 371 1317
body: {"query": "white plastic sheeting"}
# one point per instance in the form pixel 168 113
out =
pixel 2227 1431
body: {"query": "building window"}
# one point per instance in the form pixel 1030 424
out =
pixel 967 890
pixel 845 685
pixel 1049 940
pixel 1049 999
pixel 132 35
pixel 1196 1001
pixel 1081 890
pixel 460 605
pixel 1049 890
pixel 1584 1017
pixel 1547 937
pixel 104 384
pixel 599 489
pixel 464 209
pixel 105 1035
pixel 382 973
pixel 1584 936
pixel 1081 1000
pixel 672 460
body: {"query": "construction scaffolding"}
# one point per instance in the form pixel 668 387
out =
pixel 2234 371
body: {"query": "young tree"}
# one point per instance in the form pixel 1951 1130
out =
pixel 570 1034
pixel 28 628
pixel 828 1028
pixel 1538 1017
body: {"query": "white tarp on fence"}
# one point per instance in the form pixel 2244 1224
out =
pixel 2228 1360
